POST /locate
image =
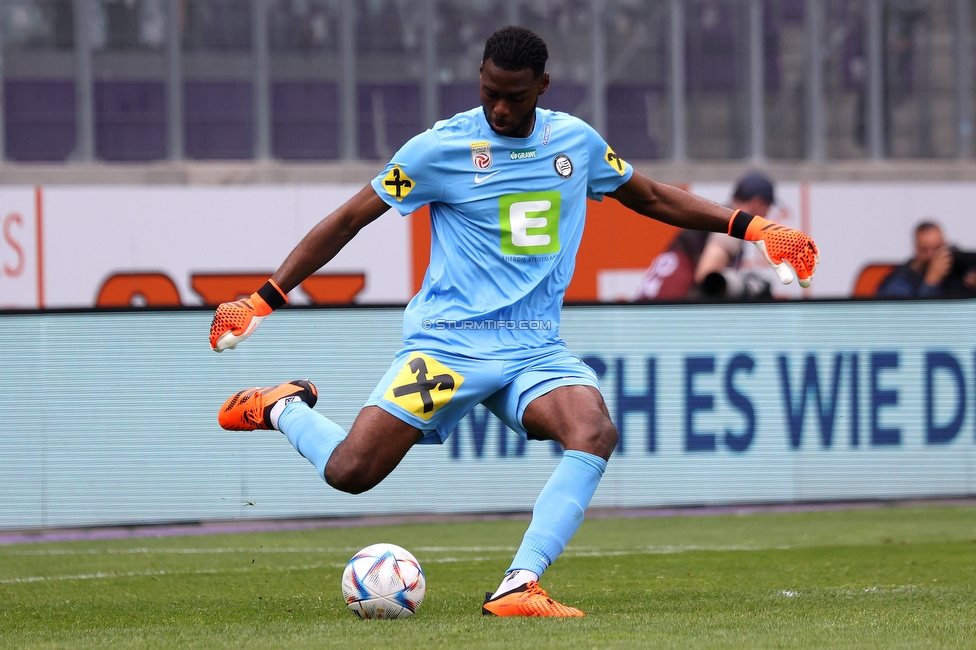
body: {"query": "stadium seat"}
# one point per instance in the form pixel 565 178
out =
pixel 629 123
pixel 130 120
pixel 219 120
pixel 870 278
pixel 305 119
pixel 40 118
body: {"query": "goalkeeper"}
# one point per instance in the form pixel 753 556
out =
pixel 507 185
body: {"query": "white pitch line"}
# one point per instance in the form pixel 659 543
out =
pixel 670 549
pixel 114 575
pixel 103 575
pixel 175 551
pixel 222 551
pixel 111 575
pixel 108 575
pixel 578 551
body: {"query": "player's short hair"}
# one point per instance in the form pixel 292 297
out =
pixel 517 48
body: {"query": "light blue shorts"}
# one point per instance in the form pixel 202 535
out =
pixel 433 390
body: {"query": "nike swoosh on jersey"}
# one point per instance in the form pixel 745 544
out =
pixel 478 179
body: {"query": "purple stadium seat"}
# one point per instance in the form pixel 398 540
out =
pixel 458 97
pixel 130 120
pixel 564 96
pixel 219 120
pixel 402 111
pixel 305 121
pixel 40 119
pixel 627 121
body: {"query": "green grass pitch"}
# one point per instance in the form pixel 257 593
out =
pixel 886 577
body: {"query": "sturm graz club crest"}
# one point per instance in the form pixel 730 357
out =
pixel 481 155
pixel 563 165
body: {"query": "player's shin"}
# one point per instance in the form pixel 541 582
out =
pixel 311 433
pixel 558 512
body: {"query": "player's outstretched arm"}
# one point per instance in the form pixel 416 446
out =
pixel 235 321
pixel 783 247
pixel 671 205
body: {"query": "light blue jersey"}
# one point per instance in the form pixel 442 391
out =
pixel 507 216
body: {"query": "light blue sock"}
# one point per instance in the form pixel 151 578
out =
pixel 311 433
pixel 558 511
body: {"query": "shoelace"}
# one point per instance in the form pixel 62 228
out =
pixel 252 413
pixel 533 589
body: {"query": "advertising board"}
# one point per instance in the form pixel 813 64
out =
pixel 110 417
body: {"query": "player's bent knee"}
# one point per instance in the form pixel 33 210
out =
pixel 349 479
pixel 606 438
pixel 599 439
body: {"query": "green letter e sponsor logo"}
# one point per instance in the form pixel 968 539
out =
pixel 530 223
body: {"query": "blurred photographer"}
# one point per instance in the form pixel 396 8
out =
pixel 935 271
pixel 724 270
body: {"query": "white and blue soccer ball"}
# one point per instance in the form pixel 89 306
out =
pixel 383 581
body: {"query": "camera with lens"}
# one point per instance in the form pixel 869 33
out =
pixel 735 285
pixel 962 261
pixel 958 283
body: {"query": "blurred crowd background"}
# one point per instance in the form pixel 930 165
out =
pixel 817 80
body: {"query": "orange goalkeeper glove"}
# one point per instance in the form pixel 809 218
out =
pixel 782 246
pixel 235 321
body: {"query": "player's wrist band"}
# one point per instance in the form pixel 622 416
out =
pixel 272 294
pixel 739 224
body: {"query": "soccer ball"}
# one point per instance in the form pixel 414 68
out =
pixel 383 581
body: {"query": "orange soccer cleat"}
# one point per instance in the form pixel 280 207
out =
pixel 251 409
pixel 528 600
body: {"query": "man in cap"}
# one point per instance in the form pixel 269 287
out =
pixel 753 194
pixel 696 262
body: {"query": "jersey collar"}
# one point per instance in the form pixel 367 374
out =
pixel 531 139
